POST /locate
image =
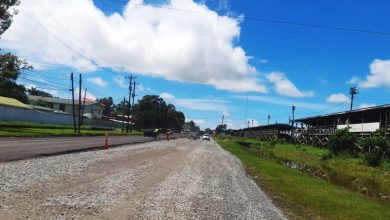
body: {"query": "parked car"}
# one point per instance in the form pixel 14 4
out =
pixel 192 136
pixel 206 137
pixel 149 133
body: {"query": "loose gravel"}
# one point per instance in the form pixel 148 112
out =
pixel 180 179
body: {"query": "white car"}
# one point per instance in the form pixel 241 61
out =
pixel 206 137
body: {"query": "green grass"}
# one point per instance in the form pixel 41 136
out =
pixel 302 196
pixel 347 172
pixel 23 129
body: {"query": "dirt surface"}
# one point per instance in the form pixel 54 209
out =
pixel 181 179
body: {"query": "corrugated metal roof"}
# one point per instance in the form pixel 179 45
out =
pixel 12 102
pixel 345 112
pixel 59 100
pixel 271 126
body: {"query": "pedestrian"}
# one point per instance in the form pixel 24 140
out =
pixel 157 134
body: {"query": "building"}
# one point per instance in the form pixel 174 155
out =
pixel 266 132
pixel 92 109
pixel 363 122
pixel 10 102
pixel 14 110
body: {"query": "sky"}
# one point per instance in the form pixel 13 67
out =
pixel 243 60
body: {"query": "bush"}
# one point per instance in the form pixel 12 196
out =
pixel 377 145
pixel 376 149
pixel 373 160
pixel 342 142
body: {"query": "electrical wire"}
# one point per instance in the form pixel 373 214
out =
pixel 267 20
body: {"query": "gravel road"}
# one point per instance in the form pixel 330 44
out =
pixel 180 179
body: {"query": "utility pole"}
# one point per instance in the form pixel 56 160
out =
pixel 129 107
pixel 252 122
pixel 132 113
pixel 352 91
pixel 293 115
pixel 269 117
pixel 248 123
pixel 246 111
pixel 80 116
pixel 82 110
pixel 223 117
pixel 123 113
pixel 73 109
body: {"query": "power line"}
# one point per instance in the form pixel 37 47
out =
pixel 71 48
pixel 267 20
pixel 81 41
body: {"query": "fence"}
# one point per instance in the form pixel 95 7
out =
pixel 8 113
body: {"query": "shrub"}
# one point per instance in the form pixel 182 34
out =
pixel 342 142
pixel 378 145
pixel 373 159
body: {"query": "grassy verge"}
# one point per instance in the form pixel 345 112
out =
pixel 23 129
pixel 348 172
pixel 303 196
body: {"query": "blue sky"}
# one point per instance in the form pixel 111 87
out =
pixel 209 57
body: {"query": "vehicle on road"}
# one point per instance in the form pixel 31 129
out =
pixel 149 133
pixel 206 137
pixel 193 136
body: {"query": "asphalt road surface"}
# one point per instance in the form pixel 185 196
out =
pixel 180 179
pixel 21 148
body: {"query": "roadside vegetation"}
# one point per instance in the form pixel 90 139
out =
pixel 27 129
pixel 309 182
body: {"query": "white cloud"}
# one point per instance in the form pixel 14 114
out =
pixel 120 82
pixel 366 105
pixel 284 86
pixel 186 47
pixel 98 81
pixel 337 98
pixel 197 104
pixel 89 95
pixel 263 61
pixel 226 113
pixel 353 80
pixel 144 89
pixel 253 122
pixel 379 76
pixel 167 96
pixel 199 121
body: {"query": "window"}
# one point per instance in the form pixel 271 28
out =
pixel 98 111
pixel 62 108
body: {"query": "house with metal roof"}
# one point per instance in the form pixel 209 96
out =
pixel 92 109
pixel 5 101
pixel 266 132
pixel 363 122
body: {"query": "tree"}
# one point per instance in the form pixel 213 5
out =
pixel 35 91
pixel 108 105
pixel 10 65
pixel 153 112
pixel 220 128
pixel 191 126
pixel 6 15
pixel 39 102
pixel 10 68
